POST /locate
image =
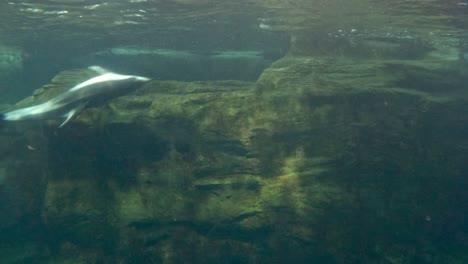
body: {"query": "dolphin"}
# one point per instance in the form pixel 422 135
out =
pixel 69 104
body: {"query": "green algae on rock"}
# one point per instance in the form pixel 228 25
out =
pixel 285 161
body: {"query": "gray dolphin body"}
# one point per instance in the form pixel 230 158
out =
pixel 69 104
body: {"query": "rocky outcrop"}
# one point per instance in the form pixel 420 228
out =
pixel 333 161
pixel 351 149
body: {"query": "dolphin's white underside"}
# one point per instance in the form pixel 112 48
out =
pixel 106 77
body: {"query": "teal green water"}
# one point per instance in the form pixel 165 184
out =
pixel 272 131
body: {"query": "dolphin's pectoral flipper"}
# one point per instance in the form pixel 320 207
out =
pixel 73 113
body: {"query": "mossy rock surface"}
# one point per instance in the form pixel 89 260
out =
pixel 309 163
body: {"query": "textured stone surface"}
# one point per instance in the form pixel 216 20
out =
pixel 351 149
pixel 336 161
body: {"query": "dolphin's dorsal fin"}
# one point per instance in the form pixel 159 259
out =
pixel 98 69
pixel 73 113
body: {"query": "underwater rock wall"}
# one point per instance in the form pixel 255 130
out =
pixel 325 160
pixel 24 172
